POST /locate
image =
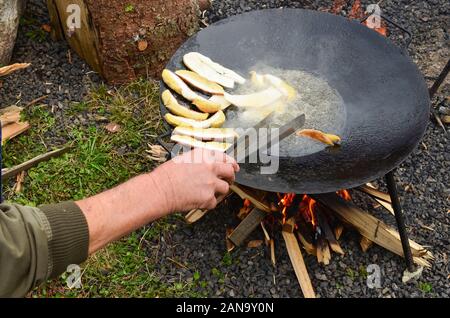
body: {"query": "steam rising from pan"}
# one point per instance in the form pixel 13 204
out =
pixel 323 106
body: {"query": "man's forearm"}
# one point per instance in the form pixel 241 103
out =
pixel 121 210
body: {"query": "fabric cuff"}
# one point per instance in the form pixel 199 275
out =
pixel 69 242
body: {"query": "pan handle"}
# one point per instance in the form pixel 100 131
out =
pixel 397 25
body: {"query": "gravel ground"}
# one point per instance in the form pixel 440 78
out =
pixel 248 272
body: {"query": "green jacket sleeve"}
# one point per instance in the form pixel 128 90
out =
pixel 39 243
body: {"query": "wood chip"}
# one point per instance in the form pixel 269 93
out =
pixel 254 243
pixel 445 119
pixel 6 70
pixel 47 28
pixel 12 130
pixel 20 178
pixel 10 115
pixel 113 127
pixel 142 45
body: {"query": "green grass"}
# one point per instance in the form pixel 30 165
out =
pixel 425 287
pixel 97 160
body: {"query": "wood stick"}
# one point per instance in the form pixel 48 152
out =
pixel 385 205
pixel 370 190
pixel 36 100
pixel 295 254
pixel 229 244
pixel 372 228
pixel 272 253
pixel 195 215
pixel 309 247
pixel 323 251
pixel 329 235
pixel 248 194
pixel 5 70
pixel 247 226
pixel 11 172
pixel 365 243
pixel 266 234
pixel 338 231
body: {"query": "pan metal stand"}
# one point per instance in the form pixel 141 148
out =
pixel 400 219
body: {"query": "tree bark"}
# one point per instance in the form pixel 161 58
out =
pixel 10 11
pixel 122 40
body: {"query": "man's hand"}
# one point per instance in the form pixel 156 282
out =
pixel 197 179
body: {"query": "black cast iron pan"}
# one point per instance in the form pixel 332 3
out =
pixel 385 96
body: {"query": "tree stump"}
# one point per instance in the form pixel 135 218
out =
pixel 10 11
pixel 123 40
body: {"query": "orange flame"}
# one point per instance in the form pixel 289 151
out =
pixel 307 207
pixel 286 202
pixel 344 194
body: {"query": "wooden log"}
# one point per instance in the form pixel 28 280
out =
pixel 247 226
pixel 11 172
pixel 122 40
pixel 296 257
pixel 372 228
pixel 10 12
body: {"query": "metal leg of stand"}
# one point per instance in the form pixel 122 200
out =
pixel 392 188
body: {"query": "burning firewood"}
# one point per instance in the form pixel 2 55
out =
pixel 255 197
pixel 334 244
pixel 374 229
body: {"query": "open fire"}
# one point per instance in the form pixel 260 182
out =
pixel 314 224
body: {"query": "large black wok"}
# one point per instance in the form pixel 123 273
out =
pixel 385 96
